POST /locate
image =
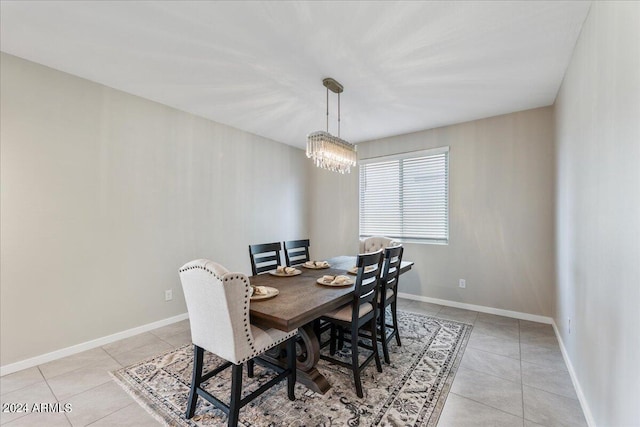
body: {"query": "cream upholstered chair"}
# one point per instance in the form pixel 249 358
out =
pixel 375 243
pixel 218 306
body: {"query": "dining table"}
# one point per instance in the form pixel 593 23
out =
pixel 300 301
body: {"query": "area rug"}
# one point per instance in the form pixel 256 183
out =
pixel 409 392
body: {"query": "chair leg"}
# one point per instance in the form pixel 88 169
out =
pixel 355 366
pixel 332 343
pixel 291 365
pixel 236 395
pixel 383 336
pixel 196 379
pixel 374 342
pixel 250 365
pixel 394 316
pixel 341 338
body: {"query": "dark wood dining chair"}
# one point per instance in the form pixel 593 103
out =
pixel 296 252
pixel 218 305
pixel 264 257
pixel 389 297
pixel 361 312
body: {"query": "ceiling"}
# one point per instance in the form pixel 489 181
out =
pixel 258 66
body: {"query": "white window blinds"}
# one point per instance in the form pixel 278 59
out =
pixel 406 197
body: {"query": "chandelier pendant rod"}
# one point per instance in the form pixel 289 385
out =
pixel 327 109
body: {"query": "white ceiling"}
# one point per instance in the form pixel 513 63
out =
pixel 258 66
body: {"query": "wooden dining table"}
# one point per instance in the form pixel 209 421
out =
pixel 300 301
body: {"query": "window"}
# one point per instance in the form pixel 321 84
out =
pixel 406 196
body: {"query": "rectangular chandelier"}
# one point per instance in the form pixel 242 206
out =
pixel 330 152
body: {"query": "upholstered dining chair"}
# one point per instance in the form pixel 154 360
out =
pixel 218 306
pixel 264 257
pixel 296 252
pixel 375 243
pixel 389 297
pixel 361 312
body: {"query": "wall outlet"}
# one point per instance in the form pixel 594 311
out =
pixel 168 295
pixel 462 283
pixel 569 323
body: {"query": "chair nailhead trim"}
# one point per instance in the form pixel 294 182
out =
pixel 260 351
pixel 247 329
pixel 182 270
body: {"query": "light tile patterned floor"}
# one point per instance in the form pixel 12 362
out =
pixel 512 374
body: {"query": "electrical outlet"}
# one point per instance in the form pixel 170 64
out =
pixel 168 295
pixel 569 325
pixel 462 283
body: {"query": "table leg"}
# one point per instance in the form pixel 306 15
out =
pixel 308 355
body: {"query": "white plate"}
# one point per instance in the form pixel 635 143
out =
pixel 271 292
pixel 314 267
pixel 354 270
pixel 322 282
pixel 275 273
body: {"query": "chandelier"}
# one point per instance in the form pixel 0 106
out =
pixel 328 151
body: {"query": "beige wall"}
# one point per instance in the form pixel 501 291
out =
pixel 333 224
pixel 501 213
pixel 597 117
pixel 105 195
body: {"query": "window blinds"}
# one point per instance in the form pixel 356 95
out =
pixel 406 196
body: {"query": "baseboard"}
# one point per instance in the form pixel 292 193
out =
pixel 574 379
pixel 480 308
pixel 78 348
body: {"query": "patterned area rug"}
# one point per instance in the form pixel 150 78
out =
pixel 409 392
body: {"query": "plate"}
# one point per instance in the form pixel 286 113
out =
pixel 322 282
pixel 354 270
pixel 315 267
pixel 271 292
pixel 275 273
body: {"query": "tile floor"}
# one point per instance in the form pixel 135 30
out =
pixel 512 374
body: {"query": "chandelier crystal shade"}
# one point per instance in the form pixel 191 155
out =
pixel 328 151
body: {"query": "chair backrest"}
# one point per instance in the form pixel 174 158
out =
pixel 375 243
pixel 264 257
pixel 296 251
pixel 367 283
pixel 391 270
pixel 218 306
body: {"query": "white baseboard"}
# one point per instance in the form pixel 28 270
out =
pixel 480 308
pixel 574 379
pixel 78 348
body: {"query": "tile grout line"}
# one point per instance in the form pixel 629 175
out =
pixel 112 356
pixel 131 349
pixel 53 393
pixel 167 343
pixel 491 352
pixel 492 375
pixel 80 366
pixel 24 386
pixel 111 413
pixel 487 406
